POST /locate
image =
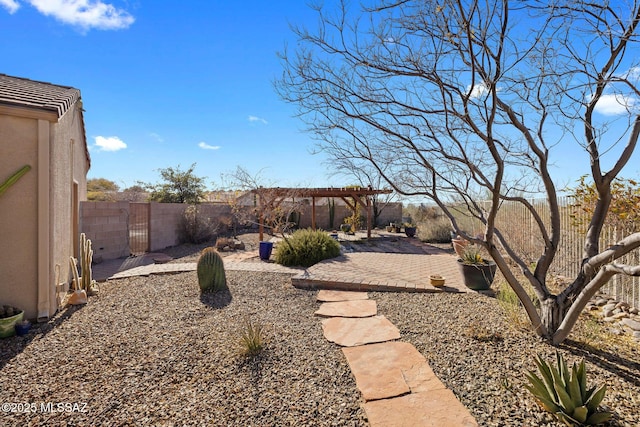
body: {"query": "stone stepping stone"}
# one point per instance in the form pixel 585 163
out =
pixel 433 409
pixel 356 308
pixel 390 369
pixel 350 332
pixel 333 296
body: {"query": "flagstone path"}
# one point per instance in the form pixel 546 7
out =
pixel 395 380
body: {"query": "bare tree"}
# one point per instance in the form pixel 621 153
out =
pixel 272 207
pixel 450 99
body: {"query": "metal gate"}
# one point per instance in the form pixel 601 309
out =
pixel 139 223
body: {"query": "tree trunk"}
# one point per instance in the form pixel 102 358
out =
pixel 552 313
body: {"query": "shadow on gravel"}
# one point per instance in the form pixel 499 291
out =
pixel 624 368
pixel 216 300
pixel 12 346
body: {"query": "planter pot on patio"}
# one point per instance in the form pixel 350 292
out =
pixel 410 231
pixel 459 245
pixel 77 297
pixel 436 280
pixel 477 277
pixel 7 324
pixel 265 250
pixel 23 327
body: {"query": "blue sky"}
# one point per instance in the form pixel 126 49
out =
pixel 173 83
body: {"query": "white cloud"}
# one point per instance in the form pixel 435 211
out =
pixel 11 5
pixel 206 146
pixel 86 14
pixel 615 104
pixel 110 143
pixel 478 90
pixel 254 119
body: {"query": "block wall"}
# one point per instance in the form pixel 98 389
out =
pixel 107 225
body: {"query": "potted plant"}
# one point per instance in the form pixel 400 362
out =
pixel 9 316
pixel 345 228
pixel 477 272
pixel 436 280
pixel 410 229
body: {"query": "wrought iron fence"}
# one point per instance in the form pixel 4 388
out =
pixel 518 226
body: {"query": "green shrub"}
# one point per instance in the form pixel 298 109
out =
pixel 305 248
pixel 211 275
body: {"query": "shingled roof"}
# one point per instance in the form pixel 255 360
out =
pixel 33 94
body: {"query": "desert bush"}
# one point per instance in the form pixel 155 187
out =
pixel 195 227
pixel 436 230
pixel 252 338
pixel 305 248
pixel 511 305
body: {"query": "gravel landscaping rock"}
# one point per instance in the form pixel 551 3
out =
pixel 151 351
pixel 475 353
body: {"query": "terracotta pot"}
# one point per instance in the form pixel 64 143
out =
pixel 78 297
pixel 459 245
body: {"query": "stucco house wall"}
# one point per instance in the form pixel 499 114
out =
pixel 41 125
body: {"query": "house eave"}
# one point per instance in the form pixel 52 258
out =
pixel 29 113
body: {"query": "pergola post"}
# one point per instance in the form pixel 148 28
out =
pixel 368 217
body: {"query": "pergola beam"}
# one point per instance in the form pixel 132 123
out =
pixel 279 194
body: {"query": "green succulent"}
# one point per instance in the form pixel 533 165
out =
pixel 210 269
pixel 564 392
pixel 472 255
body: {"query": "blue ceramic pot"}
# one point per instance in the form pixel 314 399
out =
pixel 265 250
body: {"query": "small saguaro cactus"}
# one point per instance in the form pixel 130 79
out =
pixel 84 282
pixel 86 258
pixel 211 275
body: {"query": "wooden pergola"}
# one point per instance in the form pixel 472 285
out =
pixel 350 195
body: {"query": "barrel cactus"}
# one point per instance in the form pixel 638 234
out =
pixel 211 276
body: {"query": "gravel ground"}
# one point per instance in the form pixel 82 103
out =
pixel 150 351
pixel 473 350
pixel 164 355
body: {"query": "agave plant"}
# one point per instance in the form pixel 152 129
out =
pixel 565 394
pixel 472 256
